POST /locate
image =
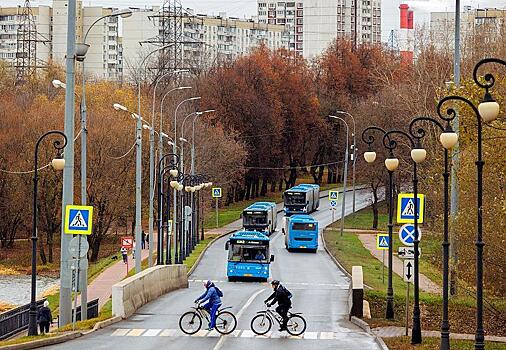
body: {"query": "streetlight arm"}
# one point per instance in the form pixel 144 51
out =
pixel 489 78
pixel 96 21
pixel 368 137
pixel 451 112
pixel 392 144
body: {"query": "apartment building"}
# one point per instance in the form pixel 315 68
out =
pixel 10 20
pixel 488 22
pixel 205 37
pixel 314 24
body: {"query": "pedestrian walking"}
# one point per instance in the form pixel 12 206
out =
pixel 124 254
pixel 143 240
pixel 44 318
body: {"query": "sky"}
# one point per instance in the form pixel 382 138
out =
pixel 247 8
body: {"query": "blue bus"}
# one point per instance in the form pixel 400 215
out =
pixel 301 232
pixel 260 216
pixel 302 199
pixel 248 255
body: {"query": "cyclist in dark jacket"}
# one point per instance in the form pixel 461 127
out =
pixel 213 295
pixel 282 296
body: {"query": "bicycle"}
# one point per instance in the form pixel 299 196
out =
pixel 191 322
pixel 262 323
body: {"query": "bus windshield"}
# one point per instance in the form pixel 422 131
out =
pixel 298 226
pixel 255 219
pixel 293 198
pixel 248 253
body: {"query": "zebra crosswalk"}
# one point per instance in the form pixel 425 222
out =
pixel 141 332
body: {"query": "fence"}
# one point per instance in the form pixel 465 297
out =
pixel 15 320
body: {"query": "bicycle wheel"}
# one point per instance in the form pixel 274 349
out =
pixel 190 322
pixel 225 322
pixel 296 325
pixel 261 324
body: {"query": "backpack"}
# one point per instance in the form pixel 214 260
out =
pixel 219 292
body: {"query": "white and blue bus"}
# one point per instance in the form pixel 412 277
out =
pixel 302 199
pixel 248 255
pixel 260 216
pixel 301 232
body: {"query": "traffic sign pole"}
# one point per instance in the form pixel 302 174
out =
pixel 217 215
pixel 407 309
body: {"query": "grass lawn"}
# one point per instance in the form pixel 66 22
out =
pixel 404 343
pixel 26 339
pixel 192 258
pixel 349 251
pixel 105 313
pixel 362 219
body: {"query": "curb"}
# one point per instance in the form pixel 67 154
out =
pixel 362 324
pixel 105 323
pixel 43 342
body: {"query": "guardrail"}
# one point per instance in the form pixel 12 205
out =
pixel 92 311
pixel 15 320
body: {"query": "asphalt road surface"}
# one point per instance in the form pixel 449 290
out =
pixel 319 288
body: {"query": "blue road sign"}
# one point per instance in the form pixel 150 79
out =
pixel 78 220
pixel 333 204
pixel 333 195
pixel 382 241
pixel 406 208
pixel 216 191
pixel 407 234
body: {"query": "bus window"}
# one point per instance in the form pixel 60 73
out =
pixel 255 219
pixel 303 227
pixel 247 253
pixel 295 198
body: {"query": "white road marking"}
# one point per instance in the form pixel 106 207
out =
pixel 120 332
pixel 247 333
pixel 219 344
pixel 135 332
pixel 152 333
pixel 327 335
pixel 168 333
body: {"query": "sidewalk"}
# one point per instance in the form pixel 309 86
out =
pixel 369 242
pixel 101 287
pixel 391 331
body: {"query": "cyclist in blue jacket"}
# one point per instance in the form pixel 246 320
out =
pixel 213 297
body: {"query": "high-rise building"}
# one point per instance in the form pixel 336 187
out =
pixel 208 38
pixel 314 24
pixel 11 19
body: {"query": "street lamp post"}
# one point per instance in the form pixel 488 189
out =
pixel 354 148
pixel 487 111
pixel 152 164
pixel 418 155
pixel 174 146
pixel 58 164
pixel 193 140
pixel 343 204
pixel 138 165
pixel 448 139
pixel 370 157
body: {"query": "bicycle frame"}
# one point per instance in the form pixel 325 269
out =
pixel 273 316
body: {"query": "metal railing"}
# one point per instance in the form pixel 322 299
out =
pixel 92 311
pixel 15 320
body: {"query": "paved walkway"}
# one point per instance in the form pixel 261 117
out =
pixel 101 287
pixel 369 242
pixel 391 331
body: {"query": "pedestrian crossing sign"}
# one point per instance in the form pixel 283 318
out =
pixel 406 208
pixel 216 191
pixel 78 220
pixel 333 195
pixel 382 241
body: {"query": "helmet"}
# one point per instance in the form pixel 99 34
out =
pixel 208 283
pixel 275 283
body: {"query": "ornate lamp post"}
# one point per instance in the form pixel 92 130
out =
pixel 58 163
pixel 487 111
pixel 448 139
pixel 370 157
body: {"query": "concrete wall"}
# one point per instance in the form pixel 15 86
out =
pixel 136 291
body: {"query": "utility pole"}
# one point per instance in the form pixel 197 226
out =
pixel 454 192
pixel 68 171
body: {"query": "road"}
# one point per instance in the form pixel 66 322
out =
pixel 320 292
